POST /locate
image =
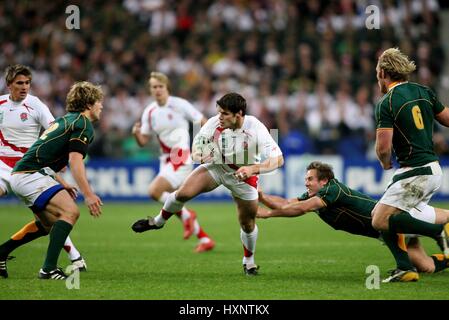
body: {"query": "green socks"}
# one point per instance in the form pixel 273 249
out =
pixel 58 234
pixel 403 222
pixel 29 232
pixel 396 244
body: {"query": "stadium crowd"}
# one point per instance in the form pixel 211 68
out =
pixel 305 67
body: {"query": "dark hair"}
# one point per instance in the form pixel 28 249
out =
pixel 233 102
pixel 323 170
pixel 13 71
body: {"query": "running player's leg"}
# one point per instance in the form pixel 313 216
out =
pixel 199 181
pixel 247 210
pixel 62 213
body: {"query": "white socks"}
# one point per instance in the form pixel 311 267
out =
pixel 163 197
pixel 171 205
pixel 185 214
pixel 71 250
pixel 249 242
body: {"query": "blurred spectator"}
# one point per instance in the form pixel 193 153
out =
pixel 305 67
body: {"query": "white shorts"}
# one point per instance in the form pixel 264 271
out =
pixel 35 189
pixel 5 177
pixel 424 213
pixel 413 192
pixel 174 177
pixel 245 190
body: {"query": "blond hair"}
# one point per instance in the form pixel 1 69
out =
pixel 161 78
pixel 396 64
pixel 83 95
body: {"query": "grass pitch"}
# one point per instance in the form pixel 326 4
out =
pixel 300 258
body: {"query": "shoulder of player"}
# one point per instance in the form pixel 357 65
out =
pixel 150 107
pixel 384 101
pixel 254 126
pixel 330 186
pixel 76 120
pixel 35 102
pixel 392 100
pixel 213 122
pixel 4 98
pixel 178 102
pixel 352 192
pixel 402 94
pixel 252 122
pixel 421 86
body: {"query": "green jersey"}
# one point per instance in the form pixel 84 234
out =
pixel 409 109
pixel 345 209
pixel 71 133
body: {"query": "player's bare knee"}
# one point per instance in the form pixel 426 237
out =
pixel 71 213
pixel 183 195
pixel 248 227
pixel 46 224
pixel 247 223
pixel 379 223
pixel 153 196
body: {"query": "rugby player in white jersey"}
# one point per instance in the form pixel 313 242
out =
pixel 22 116
pixel 243 149
pixel 168 119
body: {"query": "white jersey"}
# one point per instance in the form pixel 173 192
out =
pixel 170 123
pixel 244 146
pixel 20 125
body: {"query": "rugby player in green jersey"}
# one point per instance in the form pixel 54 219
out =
pixel 35 181
pixel 349 210
pixel 404 120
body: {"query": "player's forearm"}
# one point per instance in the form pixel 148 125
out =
pixel 272 202
pixel 78 171
pixel 384 157
pixel 286 212
pixel 141 139
pixel 268 165
pixel 384 138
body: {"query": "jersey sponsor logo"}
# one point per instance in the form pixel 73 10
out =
pixel 24 116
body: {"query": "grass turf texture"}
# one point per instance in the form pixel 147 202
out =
pixel 300 258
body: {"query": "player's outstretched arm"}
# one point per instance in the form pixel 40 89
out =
pixel 274 202
pixel 78 171
pixel 295 209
